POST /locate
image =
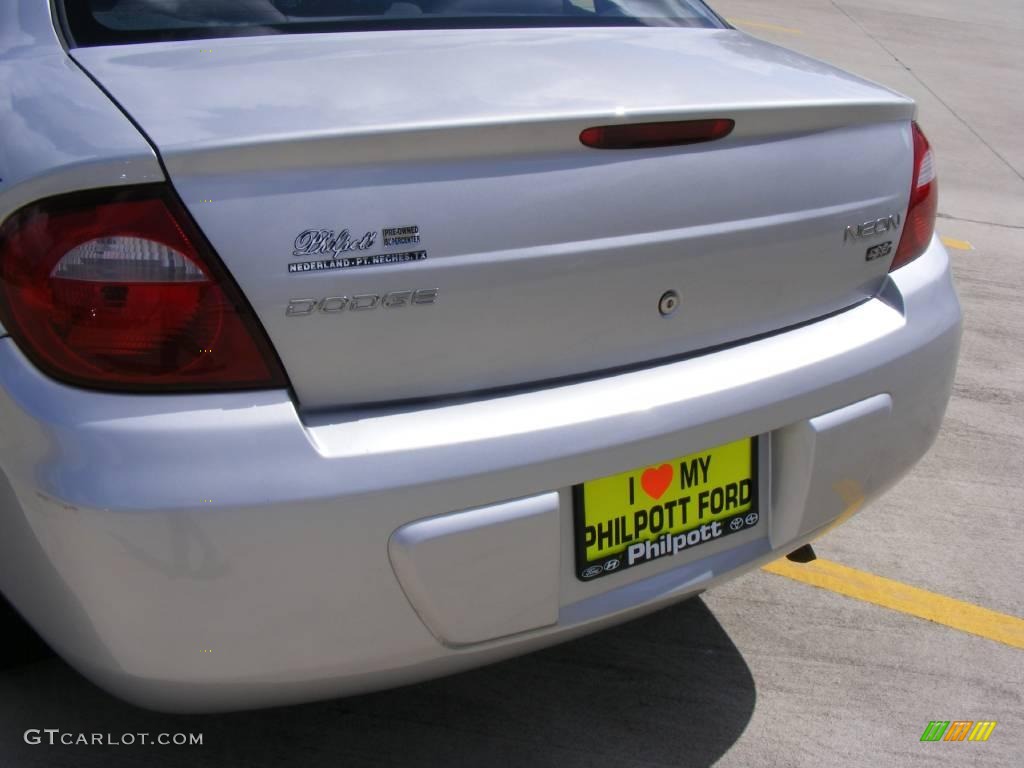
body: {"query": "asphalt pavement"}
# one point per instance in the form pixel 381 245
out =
pixel 765 671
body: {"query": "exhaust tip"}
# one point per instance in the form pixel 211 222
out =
pixel 803 555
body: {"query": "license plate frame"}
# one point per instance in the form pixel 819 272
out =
pixel 665 542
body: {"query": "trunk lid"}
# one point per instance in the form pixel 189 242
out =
pixel 544 258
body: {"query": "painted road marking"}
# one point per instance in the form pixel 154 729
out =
pixel 887 593
pixel 960 245
pixel 765 25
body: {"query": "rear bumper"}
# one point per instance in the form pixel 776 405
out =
pixel 216 551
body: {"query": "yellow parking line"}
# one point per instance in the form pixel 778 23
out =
pixel 960 245
pixel 887 593
pixel 764 25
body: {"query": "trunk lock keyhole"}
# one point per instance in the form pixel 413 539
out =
pixel 668 304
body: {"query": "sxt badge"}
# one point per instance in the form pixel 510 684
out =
pixel 876 252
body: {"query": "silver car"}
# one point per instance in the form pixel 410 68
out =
pixel 348 343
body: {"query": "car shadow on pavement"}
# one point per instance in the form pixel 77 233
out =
pixel 667 689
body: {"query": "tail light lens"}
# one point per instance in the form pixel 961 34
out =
pixel 646 135
pixel 118 290
pixel 924 204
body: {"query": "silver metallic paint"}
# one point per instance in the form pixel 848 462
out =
pixel 60 132
pixel 138 530
pixel 284 571
pixel 482 574
pixel 550 255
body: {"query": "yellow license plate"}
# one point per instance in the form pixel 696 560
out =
pixel 664 510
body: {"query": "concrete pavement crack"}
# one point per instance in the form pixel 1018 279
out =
pixel 928 88
pixel 979 221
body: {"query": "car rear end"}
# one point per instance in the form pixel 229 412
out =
pixel 342 359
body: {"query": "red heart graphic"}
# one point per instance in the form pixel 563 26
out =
pixel 656 481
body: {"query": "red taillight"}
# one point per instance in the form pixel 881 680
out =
pixel 646 135
pixel 924 204
pixel 117 289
